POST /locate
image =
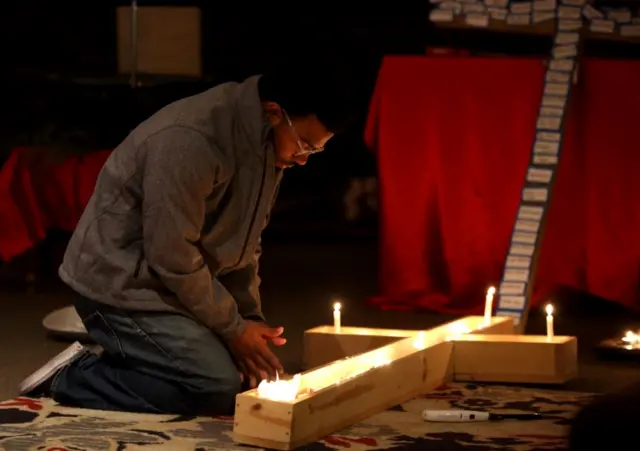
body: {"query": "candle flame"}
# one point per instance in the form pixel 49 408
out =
pixel 456 331
pixel 337 306
pixel 459 329
pixel 280 390
pixel 491 291
pixel 631 338
pixel 549 309
pixel 381 359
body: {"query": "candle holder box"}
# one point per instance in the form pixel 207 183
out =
pixel 365 371
pixel 323 344
pixel 527 359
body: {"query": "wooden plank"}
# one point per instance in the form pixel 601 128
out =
pixel 323 344
pixel 277 425
pixel 346 391
pixel 500 26
pixel 530 359
pixel 546 28
pixel 499 325
pixel 322 347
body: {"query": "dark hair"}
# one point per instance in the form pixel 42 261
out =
pixel 305 91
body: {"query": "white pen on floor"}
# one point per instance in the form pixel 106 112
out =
pixel 468 416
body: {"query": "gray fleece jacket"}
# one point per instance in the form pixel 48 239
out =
pixel 175 219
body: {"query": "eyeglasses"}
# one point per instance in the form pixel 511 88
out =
pixel 305 148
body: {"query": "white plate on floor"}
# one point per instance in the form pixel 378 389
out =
pixel 65 322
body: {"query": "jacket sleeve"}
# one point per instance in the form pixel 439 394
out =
pixel 179 173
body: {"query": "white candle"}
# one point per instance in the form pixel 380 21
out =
pixel 337 324
pixel 549 310
pixel 488 305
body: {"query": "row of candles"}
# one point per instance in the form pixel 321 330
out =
pixel 488 313
pixel 288 390
pixel 630 340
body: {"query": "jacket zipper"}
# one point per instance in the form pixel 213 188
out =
pixel 255 214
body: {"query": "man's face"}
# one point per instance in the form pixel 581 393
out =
pixel 295 139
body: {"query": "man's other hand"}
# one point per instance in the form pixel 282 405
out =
pixel 251 351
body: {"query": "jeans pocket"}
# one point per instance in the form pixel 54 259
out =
pixel 103 334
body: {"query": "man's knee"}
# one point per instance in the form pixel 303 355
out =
pixel 212 376
pixel 215 396
pixel 191 396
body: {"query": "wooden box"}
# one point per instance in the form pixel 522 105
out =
pixel 350 390
pixel 323 344
pixel 169 40
pixel 403 364
pixel 515 358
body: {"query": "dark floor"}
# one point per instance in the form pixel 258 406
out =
pixel 299 281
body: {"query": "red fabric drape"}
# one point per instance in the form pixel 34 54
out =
pixel 453 139
pixel 612 188
pixel 38 194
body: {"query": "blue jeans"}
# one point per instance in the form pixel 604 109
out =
pixel 152 363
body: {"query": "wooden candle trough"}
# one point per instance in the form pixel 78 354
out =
pixel 323 344
pixel 361 371
pixel 354 387
pixel 531 359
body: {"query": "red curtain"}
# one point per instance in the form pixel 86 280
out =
pixel 612 168
pixel 453 138
pixel 38 193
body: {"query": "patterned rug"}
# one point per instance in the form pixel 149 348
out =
pixel 40 424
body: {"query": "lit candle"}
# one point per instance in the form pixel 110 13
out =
pixel 418 342
pixel 631 339
pixel 455 331
pixel 549 310
pixel 280 390
pixel 337 324
pixel 488 306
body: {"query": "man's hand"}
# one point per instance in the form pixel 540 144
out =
pixel 251 351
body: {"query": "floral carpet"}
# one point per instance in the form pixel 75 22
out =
pixel 40 424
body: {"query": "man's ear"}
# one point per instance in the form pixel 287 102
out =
pixel 274 113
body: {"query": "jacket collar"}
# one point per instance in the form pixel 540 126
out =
pixel 252 117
